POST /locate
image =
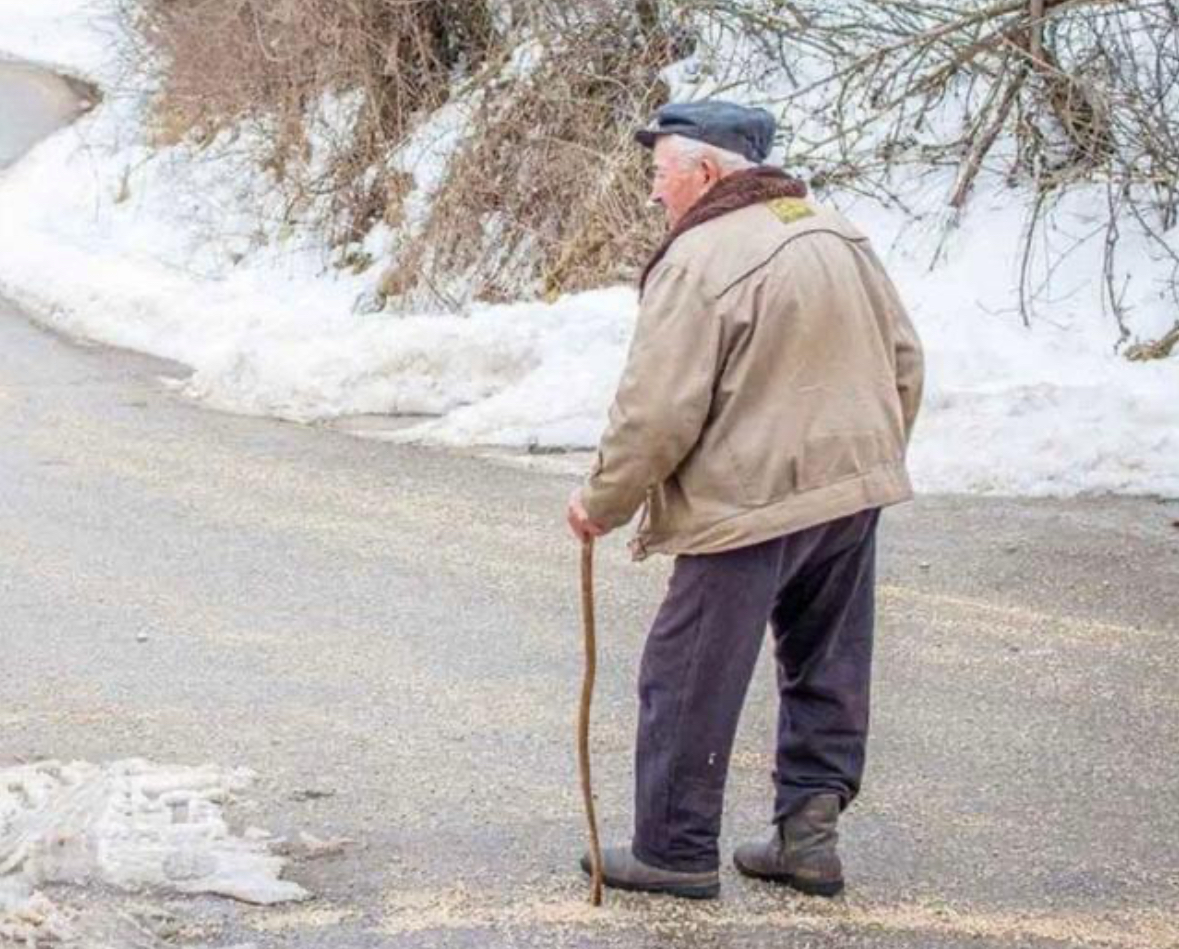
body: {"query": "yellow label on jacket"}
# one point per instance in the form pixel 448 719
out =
pixel 790 210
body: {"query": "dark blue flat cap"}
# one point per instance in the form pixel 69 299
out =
pixel 735 128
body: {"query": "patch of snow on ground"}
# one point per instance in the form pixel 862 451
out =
pixel 124 830
pixel 134 825
pixel 104 238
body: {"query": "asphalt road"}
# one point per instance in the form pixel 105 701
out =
pixel 34 102
pixel 399 627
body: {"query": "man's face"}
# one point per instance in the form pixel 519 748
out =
pixel 678 184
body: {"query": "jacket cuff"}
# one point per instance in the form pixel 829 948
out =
pixel 596 501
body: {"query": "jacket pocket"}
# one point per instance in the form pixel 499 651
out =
pixel 829 459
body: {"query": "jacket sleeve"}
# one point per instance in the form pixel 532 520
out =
pixel 907 352
pixel 663 399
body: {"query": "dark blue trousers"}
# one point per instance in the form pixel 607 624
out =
pixel 815 589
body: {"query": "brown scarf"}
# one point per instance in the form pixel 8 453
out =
pixel 736 191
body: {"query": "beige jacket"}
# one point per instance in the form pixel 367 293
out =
pixel 771 385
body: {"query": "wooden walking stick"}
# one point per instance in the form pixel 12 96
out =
pixel 583 722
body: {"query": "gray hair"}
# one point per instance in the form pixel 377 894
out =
pixel 690 150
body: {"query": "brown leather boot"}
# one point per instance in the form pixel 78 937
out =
pixel 622 870
pixel 801 852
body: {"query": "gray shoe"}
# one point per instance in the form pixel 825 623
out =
pixel 622 870
pixel 801 853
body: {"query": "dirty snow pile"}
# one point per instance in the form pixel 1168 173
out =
pixel 131 825
pixel 159 250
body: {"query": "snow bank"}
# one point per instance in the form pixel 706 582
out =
pixel 1051 410
pixel 160 251
pixel 76 36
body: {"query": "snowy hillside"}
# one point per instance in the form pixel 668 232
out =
pixel 159 250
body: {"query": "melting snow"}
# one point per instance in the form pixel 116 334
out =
pixel 129 825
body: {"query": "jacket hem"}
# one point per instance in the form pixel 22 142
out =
pixel 880 487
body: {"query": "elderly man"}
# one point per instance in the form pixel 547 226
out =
pixel 761 423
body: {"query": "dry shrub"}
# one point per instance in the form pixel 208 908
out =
pixel 547 193
pixel 223 63
pixel 1060 95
